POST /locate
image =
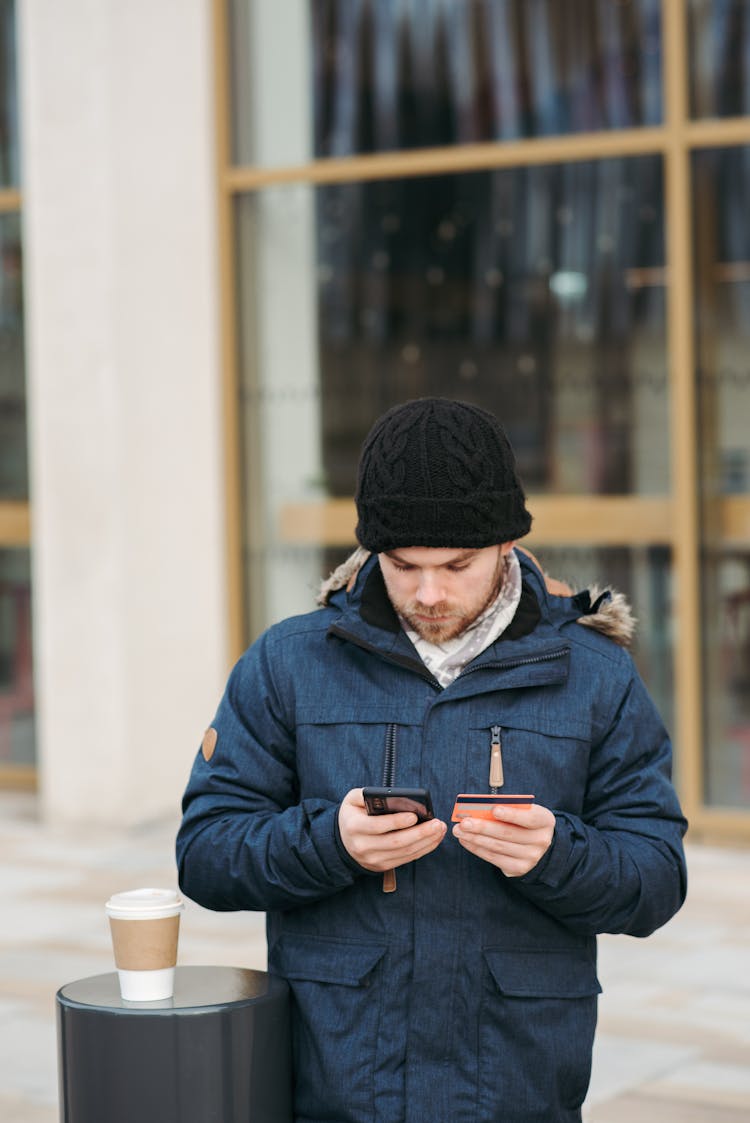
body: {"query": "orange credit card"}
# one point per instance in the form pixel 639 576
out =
pixel 481 806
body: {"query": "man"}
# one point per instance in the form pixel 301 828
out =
pixel 463 987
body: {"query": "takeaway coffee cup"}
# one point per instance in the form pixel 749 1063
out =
pixel 145 925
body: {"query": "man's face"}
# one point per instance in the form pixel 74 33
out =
pixel 440 592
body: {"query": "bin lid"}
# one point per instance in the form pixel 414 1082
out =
pixel 195 988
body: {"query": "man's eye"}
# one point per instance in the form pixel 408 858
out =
pixel 459 568
pixel 401 568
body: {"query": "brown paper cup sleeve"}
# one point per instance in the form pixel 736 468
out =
pixel 145 945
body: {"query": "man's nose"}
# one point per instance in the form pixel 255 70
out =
pixel 429 590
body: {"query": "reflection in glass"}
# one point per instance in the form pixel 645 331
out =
pixel 534 292
pixel 392 75
pixel 381 75
pixel 16 680
pixel 719 42
pixel 270 80
pixel 280 399
pixel 721 181
pixel 13 466
pixel 9 155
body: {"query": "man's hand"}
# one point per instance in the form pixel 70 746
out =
pixel 384 842
pixel 514 843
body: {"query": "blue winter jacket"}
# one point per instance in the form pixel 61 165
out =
pixel 464 995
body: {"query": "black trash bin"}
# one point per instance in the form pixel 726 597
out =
pixel 218 1052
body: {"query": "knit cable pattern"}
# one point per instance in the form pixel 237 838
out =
pixel 435 472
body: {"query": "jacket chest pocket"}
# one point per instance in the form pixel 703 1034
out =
pixel 351 748
pixel 515 753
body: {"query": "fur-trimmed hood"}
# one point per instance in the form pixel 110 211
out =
pixel 343 576
pixel 602 609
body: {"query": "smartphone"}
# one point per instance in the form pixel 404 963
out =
pixel 386 801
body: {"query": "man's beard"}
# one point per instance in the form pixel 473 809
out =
pixel 455 620
pixel 448 623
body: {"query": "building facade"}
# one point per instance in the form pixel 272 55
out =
pixel 237 253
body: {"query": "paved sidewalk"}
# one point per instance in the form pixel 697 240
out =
pixel 674 1030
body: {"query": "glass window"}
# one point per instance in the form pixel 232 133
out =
pixel 719 33
pixel 535 292
pixel 16 681
pixel 13 460
pixel 9 155
pixel 398 74
pixel 721 181
pixel 727 676
pixel 644 576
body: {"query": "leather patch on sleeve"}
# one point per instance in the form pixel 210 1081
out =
pixel 210 737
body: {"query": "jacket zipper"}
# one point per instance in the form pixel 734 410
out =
pixel 389 777
pixel 511 664
pixel 389 764
pixel 496 760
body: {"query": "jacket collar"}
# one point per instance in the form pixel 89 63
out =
pixel 602 610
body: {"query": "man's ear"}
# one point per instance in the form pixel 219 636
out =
pixel 554 587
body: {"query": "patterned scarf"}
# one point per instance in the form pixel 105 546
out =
pixel 447 660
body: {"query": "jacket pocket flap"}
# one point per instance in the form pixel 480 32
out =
pixel 542 973
pixel 320 960
pixel 519 715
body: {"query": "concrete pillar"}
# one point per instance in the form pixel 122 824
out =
pixel 124 399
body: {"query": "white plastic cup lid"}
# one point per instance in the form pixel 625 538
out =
pixel 144 904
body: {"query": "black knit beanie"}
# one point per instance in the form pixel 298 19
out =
pixel 435 472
